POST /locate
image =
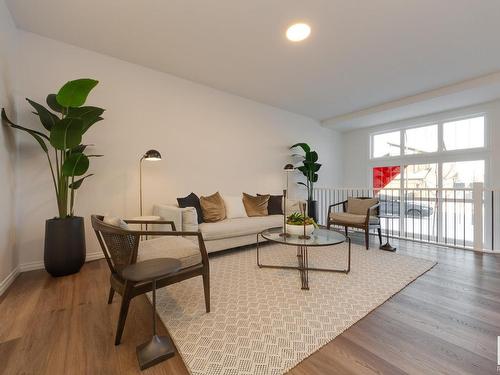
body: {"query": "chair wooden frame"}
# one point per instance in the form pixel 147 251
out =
pixel 125 244
pixel 366 225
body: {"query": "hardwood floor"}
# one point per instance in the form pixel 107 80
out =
pixel 447 322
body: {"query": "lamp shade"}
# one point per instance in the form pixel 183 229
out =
pixel 152 155
pixel 288 168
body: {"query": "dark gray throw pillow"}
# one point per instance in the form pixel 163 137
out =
pixel 192 200
pixel 274 205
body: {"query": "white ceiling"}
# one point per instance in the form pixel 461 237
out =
pixel 361 53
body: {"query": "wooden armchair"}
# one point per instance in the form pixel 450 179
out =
pixel 360 212
pixel 122 247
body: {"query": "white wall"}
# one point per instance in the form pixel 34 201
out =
pixel 357 168
pixel 209 140
pixel 8 256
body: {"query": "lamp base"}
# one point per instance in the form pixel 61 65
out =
pixel 155 351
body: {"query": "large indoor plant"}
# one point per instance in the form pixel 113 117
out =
pixel 309 169
pixel 61 141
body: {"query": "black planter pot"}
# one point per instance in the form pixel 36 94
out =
pixel 312 210
pixel 64 252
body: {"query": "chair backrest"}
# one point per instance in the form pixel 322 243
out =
pixel 118 245
pixel 359 205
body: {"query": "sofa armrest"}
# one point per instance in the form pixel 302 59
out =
pixel 185 219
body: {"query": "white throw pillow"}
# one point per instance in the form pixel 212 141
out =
pixel 234 207
pixel 115 221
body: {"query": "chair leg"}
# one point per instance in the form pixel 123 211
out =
pixel 111 294
pixel 379 230
pixel 346 231
pixel 367 239
pixel 123 314
pixel 206 288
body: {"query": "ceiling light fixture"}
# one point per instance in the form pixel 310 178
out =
pixel 298 32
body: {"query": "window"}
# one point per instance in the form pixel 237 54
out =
pixel 421 140
pixel 386 144
pixel 463 134
pixel 462 174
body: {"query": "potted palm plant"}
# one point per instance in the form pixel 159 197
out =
pixel 309 169
pixel 61 141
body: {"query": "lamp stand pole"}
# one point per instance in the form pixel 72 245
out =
pixel 140 185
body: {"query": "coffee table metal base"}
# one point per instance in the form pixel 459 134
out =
pixel 303 263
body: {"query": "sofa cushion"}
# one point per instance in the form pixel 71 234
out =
pixel 358 206
pixel 177 247
pixel 213 208
pixel 192 200
pixel 115 221
pixel 292 206
pixel 234 206
pixel 347 218
pixel 239 227
pixel 274 205
pixel 256 206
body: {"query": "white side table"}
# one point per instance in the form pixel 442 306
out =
pixel 146 218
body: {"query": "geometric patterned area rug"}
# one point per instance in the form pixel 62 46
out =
pixel 261 321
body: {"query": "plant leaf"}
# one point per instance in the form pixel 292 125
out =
pixel 75 165
pixel 74 93
pixel 303 169
pixel 301 183
pixel 303 146
pixel 75 185
pixel 95 156
pixel 66 134
pixel 312 156
pixel 79 148
pixel 47 118
pixel 53 104
pixel 88 114
pixel 37 135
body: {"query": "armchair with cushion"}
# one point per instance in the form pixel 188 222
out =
pixel 122 247
pixel 359 212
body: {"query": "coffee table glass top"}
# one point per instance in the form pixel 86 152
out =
pixel 320 237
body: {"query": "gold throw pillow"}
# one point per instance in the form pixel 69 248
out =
pixel 213 208
pixel 256 206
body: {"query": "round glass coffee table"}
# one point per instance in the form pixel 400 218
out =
pixel 320 237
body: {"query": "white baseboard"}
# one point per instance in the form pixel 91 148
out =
pixel 31 266
pixel 9 280
pixel 37 265
pixel 94 256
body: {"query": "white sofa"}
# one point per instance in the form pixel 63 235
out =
pixel 225 234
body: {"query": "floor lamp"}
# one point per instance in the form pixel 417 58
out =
pixel 151 155
pixel 287 168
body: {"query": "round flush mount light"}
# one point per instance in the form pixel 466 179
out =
pixel 298 32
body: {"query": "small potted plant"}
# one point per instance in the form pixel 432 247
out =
pixel 295 224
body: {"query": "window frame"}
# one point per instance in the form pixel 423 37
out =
pixel 440 141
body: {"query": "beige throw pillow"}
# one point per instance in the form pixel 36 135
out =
pixel 213 208
pixel 256 206
pixel 358 206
